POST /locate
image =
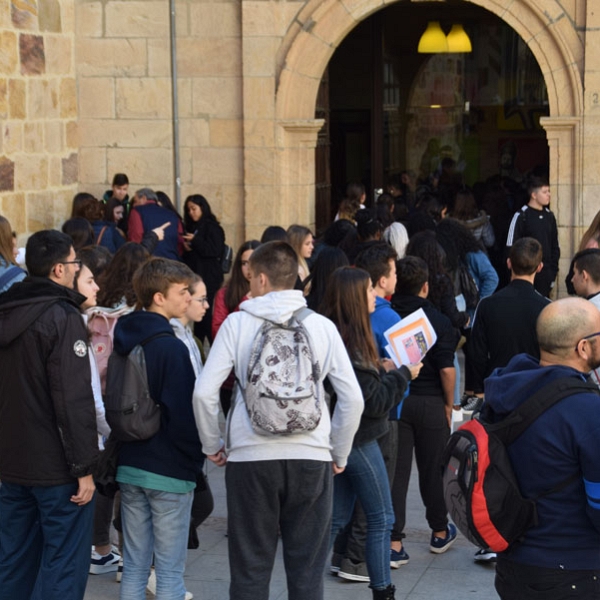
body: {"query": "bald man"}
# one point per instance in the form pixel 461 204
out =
pixel 556 460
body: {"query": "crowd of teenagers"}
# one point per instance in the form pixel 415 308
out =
pixel 329 475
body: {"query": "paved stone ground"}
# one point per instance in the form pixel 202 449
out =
pixel 449 576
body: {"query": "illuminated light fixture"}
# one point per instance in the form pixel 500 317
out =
pixel 433 40
pixel 458 40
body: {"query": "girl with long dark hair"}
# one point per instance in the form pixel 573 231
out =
pixel 228 300
pixel 349 300
pixel 205 241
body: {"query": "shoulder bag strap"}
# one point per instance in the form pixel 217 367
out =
pixel 101 235
pixel 509 429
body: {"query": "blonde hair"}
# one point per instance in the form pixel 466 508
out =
pixel 6 241
pixel 296 235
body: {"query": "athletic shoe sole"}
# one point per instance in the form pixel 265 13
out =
pixel 354 577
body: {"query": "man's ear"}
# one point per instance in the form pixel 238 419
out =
pixel 57 272
pixel 540 267
pixel 158 298
pixel 509 264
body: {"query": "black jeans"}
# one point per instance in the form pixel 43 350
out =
pixel 293 495
pixel 515 581
pixel 423 427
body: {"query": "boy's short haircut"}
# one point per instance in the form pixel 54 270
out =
pixel 158 275
pixel 412 273
pixel 525 256
pixel 375 260
pixel 120 179
pixel 45 249
pixel 278 261
pixel 588 260
pixel 535 182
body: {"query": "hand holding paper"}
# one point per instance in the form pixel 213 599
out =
pixel 410 339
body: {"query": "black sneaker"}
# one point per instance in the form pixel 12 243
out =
pixel 484 555
pixel 354 571
pixel 470 404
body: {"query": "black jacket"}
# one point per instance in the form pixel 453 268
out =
pixel 541 225
pixel 504 326
pixel 48 430
pixel 206 253
pixel 381 392
pixel 441 355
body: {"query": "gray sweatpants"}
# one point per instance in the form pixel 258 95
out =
pixel 293 496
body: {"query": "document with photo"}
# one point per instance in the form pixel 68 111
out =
pixel 410 339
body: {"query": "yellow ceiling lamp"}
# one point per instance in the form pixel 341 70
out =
pixel 433 40
pixel 458 40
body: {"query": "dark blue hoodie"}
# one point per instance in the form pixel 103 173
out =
pixel 563 441
pixel 175 451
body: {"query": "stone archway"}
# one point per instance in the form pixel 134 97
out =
pixel 319 28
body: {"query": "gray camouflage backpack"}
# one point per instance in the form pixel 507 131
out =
pixel 282 391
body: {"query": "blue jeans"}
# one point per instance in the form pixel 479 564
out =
pixel 43 536
pixel 365 478
pixel 154 522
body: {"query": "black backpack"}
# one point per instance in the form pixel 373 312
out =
pixel 480 489
pixel 465 284
pixel 130 411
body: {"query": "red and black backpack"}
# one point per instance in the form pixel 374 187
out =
pixel 480 488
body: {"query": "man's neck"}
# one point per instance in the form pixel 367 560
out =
pixel 528 278
pixel 592 291
pixel 535 205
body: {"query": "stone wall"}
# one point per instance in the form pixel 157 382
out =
pixel 38 113
pixel 86 85
pixel 123 58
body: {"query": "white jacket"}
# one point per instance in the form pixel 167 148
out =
pixel 331 440
pixel 185 334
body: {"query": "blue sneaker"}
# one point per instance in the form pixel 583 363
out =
pixel 439 545
pixel 398 558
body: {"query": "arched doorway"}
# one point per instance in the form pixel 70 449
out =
pixel 323 25
pixel 393 110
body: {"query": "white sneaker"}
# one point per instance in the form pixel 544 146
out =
pixel 151 586
pixel 104 563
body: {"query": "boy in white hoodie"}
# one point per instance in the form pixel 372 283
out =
pixel 277 482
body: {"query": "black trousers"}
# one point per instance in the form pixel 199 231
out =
pixel 515 581
pixel 423 427
pixel 295 496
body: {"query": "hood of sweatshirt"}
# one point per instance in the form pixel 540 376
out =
pixel 137 327
pixel 25 301
pixel 275 306
pixel 508 387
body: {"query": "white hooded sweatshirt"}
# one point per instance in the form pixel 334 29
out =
pixel 331 440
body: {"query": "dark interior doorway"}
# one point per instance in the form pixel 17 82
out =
pixel 389 109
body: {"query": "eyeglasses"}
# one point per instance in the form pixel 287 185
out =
pixel 587 337
pixel 72 262
pixel 203 300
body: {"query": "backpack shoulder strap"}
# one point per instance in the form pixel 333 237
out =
pixel 509 429
pixel 302 313
pixel 155 336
